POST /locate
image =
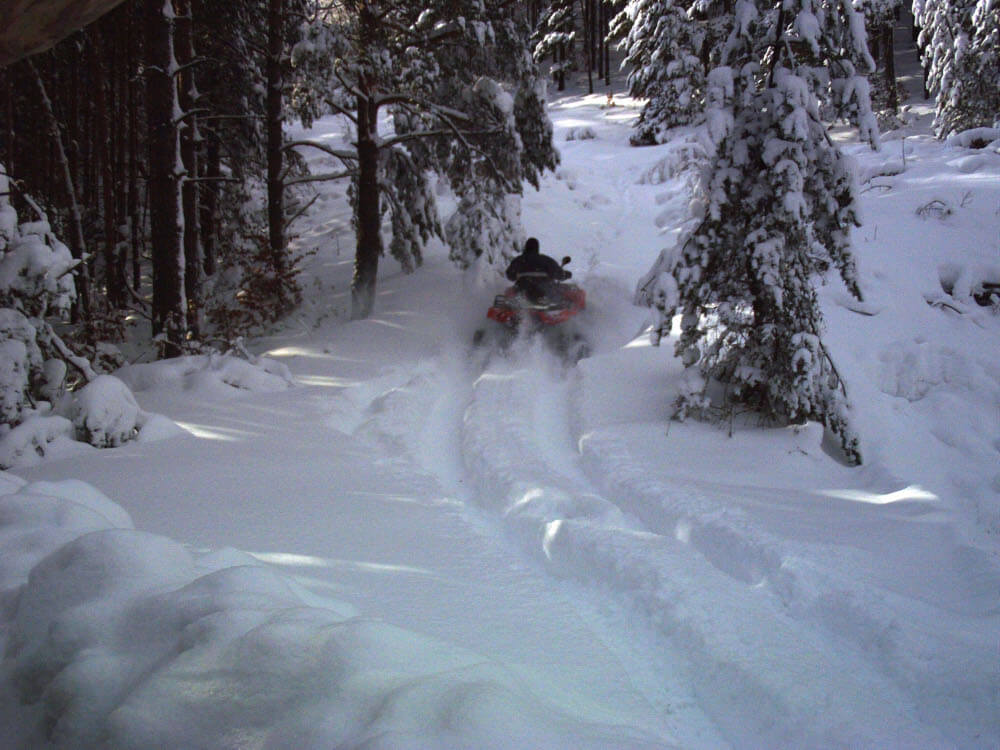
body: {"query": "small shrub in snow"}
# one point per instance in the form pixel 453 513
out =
pixel 936 209
pixel 681 156
pixel 583 133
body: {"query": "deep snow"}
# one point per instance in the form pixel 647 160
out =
pixel 404 542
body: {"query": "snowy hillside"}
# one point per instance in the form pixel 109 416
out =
pixel 409 543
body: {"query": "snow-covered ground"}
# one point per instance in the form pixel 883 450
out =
pixel 411 544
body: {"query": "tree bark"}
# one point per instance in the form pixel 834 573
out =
pixel 133 205
pixel 275 137
pixel 890 65
pixel 210 203
pixel 605 47
pixel 369 247
pixel 190 143
pixel 165 227
pixel 77 242
pixel 103 100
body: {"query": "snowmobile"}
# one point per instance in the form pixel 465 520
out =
pixel 535 304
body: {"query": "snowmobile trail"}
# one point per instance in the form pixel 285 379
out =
pixel 718 601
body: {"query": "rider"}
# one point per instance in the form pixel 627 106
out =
pixel 535 274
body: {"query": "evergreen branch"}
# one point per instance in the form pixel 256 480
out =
pixel 340 110
pixel 231 117
pixel 212 179
pixel 398 139
pixel 431 108
pixel 80 363
pixel 836 373
pixel 779 33
pixel 337 154
pixel 190 113
pixel 193 63
pixel 354 91
pixel 302 210
pixel 325 177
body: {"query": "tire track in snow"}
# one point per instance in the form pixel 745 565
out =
pixel 412 419
pixel 829 589
pixel 765 678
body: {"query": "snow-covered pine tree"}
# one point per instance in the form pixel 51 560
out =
pixel 961 48
pixel 465 100
pixel 880 16
pixel 986 51
pixel 777 206
pixel 554 36
pixel 662 40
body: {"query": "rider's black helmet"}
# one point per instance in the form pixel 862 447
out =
pixel 531 246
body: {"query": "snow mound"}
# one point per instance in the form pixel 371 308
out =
pixel 211 375
pixel 35 439
pixel 911 370
pixel 105 412
pixel 115 637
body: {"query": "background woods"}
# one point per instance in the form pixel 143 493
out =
pixel 137 134
pixel 153 144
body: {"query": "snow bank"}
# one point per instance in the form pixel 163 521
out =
pixel 214 375
pixel 116 637
pixel 105 412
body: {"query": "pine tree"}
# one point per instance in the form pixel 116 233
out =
pixel 986 51
pixel 778 206
pixel 961 47
pixel 662 40
pixel 555 36
pixel 443 70
pixel 880 16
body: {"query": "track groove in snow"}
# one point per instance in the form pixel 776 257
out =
pixel 625 536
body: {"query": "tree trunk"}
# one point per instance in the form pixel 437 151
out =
pixel 102 135
pixel 275 138
pixel 605 48
pixel 133 204
pixel 369 216
pixel 77 243
pixel 165 227
pixel 589 40
pixel 120 67
pixel 190 143
pixel 890 66
pixel 210 204
pixel 7 150
pixel 561 75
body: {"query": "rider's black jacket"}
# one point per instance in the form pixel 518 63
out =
pixel 531 263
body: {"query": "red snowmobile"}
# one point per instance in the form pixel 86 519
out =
pixel 537 304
